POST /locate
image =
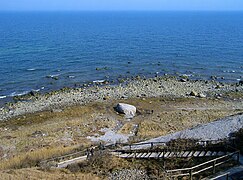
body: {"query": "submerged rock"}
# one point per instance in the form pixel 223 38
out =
pixel 127 109
pixel 241 82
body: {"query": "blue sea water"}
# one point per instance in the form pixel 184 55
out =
pixel 71 45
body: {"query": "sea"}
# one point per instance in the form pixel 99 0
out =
pixel 44 51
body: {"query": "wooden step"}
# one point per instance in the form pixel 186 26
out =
pixel 196 153
pixel 190 154
pixel 208 153
pixel 202 154
pixel 154 155
pixel 186 153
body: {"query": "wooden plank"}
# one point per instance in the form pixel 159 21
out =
pixel 208 153
pixel 190 154
pixel 153 155
pixel 196 153
pixel 166 154
pixel 186 154
pixel 202 154
pixel 220 153
pixel 147 156
pixel 161 155
pixel 143 155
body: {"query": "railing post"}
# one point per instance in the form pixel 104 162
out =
pixel 190 174
pixel 227 176
pixel 152 145
pixel 164 158
pixel 238 156
pixel 214 162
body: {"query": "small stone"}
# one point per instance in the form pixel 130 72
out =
pixel 183 80
pixel 56 110
pixel 106 97
pixel 38 134
pixel 124 97
pixel 201 95
pixel 193 93
pixel 218 87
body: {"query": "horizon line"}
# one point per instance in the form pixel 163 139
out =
pixel 142 10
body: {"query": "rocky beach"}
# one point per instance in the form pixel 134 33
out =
pixel 39 126
pixel 140 88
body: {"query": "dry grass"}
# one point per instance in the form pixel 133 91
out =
pixel 35 174
pixel 66 129
pixel 31 159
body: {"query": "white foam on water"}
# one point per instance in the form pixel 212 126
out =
pixel 31 69
pixel 99 81
pixel 2 97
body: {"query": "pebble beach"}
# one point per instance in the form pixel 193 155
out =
pixel 164 86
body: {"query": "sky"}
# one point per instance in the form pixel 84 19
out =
pixel 103 5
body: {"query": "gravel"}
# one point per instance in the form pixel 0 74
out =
pixel 128 174
pixel 217 130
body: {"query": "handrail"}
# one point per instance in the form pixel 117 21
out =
pixel 64 156
pixel 219 176
pixel 152 144
pixel 189 171
pixel 198 142
pixel 202 164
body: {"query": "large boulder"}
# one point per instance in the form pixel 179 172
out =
pixel 127 109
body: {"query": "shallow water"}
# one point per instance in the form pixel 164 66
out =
pixel 45 51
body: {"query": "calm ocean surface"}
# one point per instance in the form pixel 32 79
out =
pixel 71 46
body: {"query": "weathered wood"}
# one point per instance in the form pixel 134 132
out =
pixel 191 171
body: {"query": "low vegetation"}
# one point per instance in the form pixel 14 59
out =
pixel 28 139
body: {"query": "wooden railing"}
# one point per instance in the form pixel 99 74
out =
pixel 151 145
pixel 212 164
pixel 135 146
pixel 221 175
pixel 58 159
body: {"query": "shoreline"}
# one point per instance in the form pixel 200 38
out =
pixel 164 86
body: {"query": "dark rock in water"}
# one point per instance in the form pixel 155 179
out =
pixel 32 93
pixel 55 78
pixel 241 82
pixel 102 68
pixel 26 97
pixel 121 80
pixel 213 77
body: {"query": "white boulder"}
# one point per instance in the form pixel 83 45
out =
pixel 127 109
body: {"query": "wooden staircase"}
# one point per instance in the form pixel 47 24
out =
pixel 169 154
